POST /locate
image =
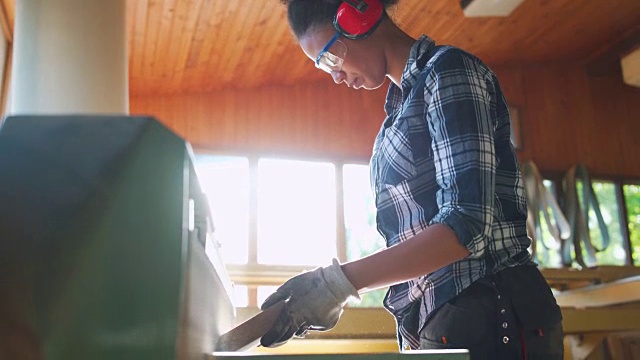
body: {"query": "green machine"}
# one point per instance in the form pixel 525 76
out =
pixel 105 243
pixel 107 248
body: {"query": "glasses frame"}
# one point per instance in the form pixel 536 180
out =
pixel 325 50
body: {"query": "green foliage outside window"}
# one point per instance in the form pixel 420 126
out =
pixel 614 254
pixel 632 199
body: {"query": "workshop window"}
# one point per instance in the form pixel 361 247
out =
pixel 276 218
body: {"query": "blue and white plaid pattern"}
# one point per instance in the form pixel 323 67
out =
pixel 443 155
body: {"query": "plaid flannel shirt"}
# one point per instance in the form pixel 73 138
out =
pixel 443 155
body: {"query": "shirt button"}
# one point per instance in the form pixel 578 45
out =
pixel 503 311
pixel 505 339
pixel 504 325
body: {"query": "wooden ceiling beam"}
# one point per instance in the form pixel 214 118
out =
pixel 6 21
pixel 606 61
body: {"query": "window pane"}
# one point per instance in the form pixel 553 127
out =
pixel 296 212
pixel 614 254
pixel 225 181
pixel 632 198
pixel 240 296
pixel 362 237
pixel 264 292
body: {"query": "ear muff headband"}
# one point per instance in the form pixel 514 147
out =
pixel 354 24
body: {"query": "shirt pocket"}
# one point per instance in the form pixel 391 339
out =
pixel 396 158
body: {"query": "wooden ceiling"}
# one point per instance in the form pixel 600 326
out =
pixel 179 46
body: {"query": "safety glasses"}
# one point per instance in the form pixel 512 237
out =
pixel 332 55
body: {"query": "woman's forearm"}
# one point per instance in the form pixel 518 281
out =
pixel 431 249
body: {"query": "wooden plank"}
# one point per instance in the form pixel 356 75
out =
pixel 175 14
pixel 263 56
pixel 138 37
pixel 239 35
pixel 187 37
pixel 211 32
pixel 200 34
pixel 600 319
pixel 621 291
pixel 151 41
pixel 248 333
pixel 218 51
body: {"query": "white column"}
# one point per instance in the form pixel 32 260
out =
pixel 70 57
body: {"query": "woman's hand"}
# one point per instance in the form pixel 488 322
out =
pixel 314 301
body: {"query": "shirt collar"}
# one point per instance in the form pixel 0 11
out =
pixel 396 95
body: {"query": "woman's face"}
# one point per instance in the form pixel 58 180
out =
pixel 364 65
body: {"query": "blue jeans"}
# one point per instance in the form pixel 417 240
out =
pixel 503 316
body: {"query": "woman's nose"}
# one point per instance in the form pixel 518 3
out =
pixel 338 76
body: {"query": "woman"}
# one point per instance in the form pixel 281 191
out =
pixel 449 197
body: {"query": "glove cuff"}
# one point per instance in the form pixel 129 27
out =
pixel 338 283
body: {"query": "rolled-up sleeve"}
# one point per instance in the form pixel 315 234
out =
pixel 461 118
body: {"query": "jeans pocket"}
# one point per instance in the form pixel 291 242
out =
pixel 545 345
pixel 455 327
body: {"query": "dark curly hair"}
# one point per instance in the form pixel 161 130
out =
pixel 306 14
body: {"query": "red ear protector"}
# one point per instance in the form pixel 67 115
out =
pixel 357 19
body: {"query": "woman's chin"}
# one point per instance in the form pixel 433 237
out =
pixel 369 86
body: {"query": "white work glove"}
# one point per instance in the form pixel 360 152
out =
pixel 314 302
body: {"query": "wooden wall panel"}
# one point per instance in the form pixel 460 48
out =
pixel 572 118
pixel 311 120
pixel 567 117
pixel 616 138
pixel 549 124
